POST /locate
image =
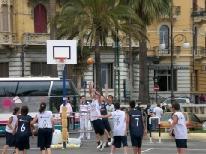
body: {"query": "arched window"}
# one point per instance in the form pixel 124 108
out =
pixel 164 36
pixel 5 22
pixel 40 19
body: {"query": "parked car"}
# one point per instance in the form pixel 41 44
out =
pixel 192 121
pixel 180 100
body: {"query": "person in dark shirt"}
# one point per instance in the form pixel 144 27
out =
pixel 103 110
pixel 23 131
pixel 136 127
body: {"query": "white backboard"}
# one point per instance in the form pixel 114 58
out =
pixel 66 49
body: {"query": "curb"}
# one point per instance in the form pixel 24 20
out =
pixel 191 136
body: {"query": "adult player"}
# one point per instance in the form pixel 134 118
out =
pixel 45 128
pixel 10 130
pixel 120 121
pixel 24 129
pixel 136 127
pixel 94 110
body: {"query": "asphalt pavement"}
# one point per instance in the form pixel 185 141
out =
pixel 89 147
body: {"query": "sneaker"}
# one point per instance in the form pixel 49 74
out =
pixel 110 142
pixel 103 146
pixel 99 144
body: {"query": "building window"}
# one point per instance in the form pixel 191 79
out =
pixel 5 22
pixel 107 75
pixel 43 69
pixel 40 19
pixel 4 67
pixel 164 36
pixel 164 79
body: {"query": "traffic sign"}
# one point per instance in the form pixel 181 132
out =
pixel 156 87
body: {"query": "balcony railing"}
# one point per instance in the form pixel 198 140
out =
pixel 166 52
pixel 7 38
pixel 35 38
pixel 200 52
pixel 6 2
pixel 199 14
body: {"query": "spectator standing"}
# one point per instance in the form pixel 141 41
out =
pixel 148 113
pixel 69 110
pixel 10 130
pixel 85 125
pixel 158 111
pixel 178 127
pixel 45 128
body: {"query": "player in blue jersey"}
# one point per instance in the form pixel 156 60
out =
pixel 23 131
pixel 136 127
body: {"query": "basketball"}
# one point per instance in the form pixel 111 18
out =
pixel 90 61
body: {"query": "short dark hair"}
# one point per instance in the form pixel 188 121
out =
pixel 176 106
pixel 132 104
pixel 16 109
pixel 117 106
pixel 42 107
pixel 24 110
pixel 110 96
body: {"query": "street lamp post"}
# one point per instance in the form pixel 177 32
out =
pixel 180 37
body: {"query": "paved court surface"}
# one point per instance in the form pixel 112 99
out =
pixel 89 147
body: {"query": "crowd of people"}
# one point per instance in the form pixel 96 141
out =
pixel 110 123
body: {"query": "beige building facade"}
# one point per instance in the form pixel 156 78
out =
pixel 188 20
pixel 25 27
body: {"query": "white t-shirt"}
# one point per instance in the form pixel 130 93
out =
pixel 44 119
pixel 158 111
pixel 68 106
pixel 180 129
pixel 94 109
pixel 13 123
pixel 110 108
pixel 119 121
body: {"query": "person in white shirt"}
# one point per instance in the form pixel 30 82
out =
pixel 85 125
pixel 120 122
pixel 158 111
pixel 178 128
pixel 69 110
pixel 10 130
pixel 45 128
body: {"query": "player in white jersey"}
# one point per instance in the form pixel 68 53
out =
pixel 85 125
pixel 10 130
pixel 45 128
pixel 94 110
pixel 178 127
pixel 120 122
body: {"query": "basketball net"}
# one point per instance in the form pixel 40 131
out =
pixel 61 60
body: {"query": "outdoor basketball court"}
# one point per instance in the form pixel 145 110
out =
pixel 88 147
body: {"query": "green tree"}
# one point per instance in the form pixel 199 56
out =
pixel 93 19
pixel 149 11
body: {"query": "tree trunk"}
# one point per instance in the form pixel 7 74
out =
pixel 98 63
pixel 143 74
pixel 52 14
pixel 79 83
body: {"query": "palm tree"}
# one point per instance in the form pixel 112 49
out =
pixel 148 11
pixel 93 19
